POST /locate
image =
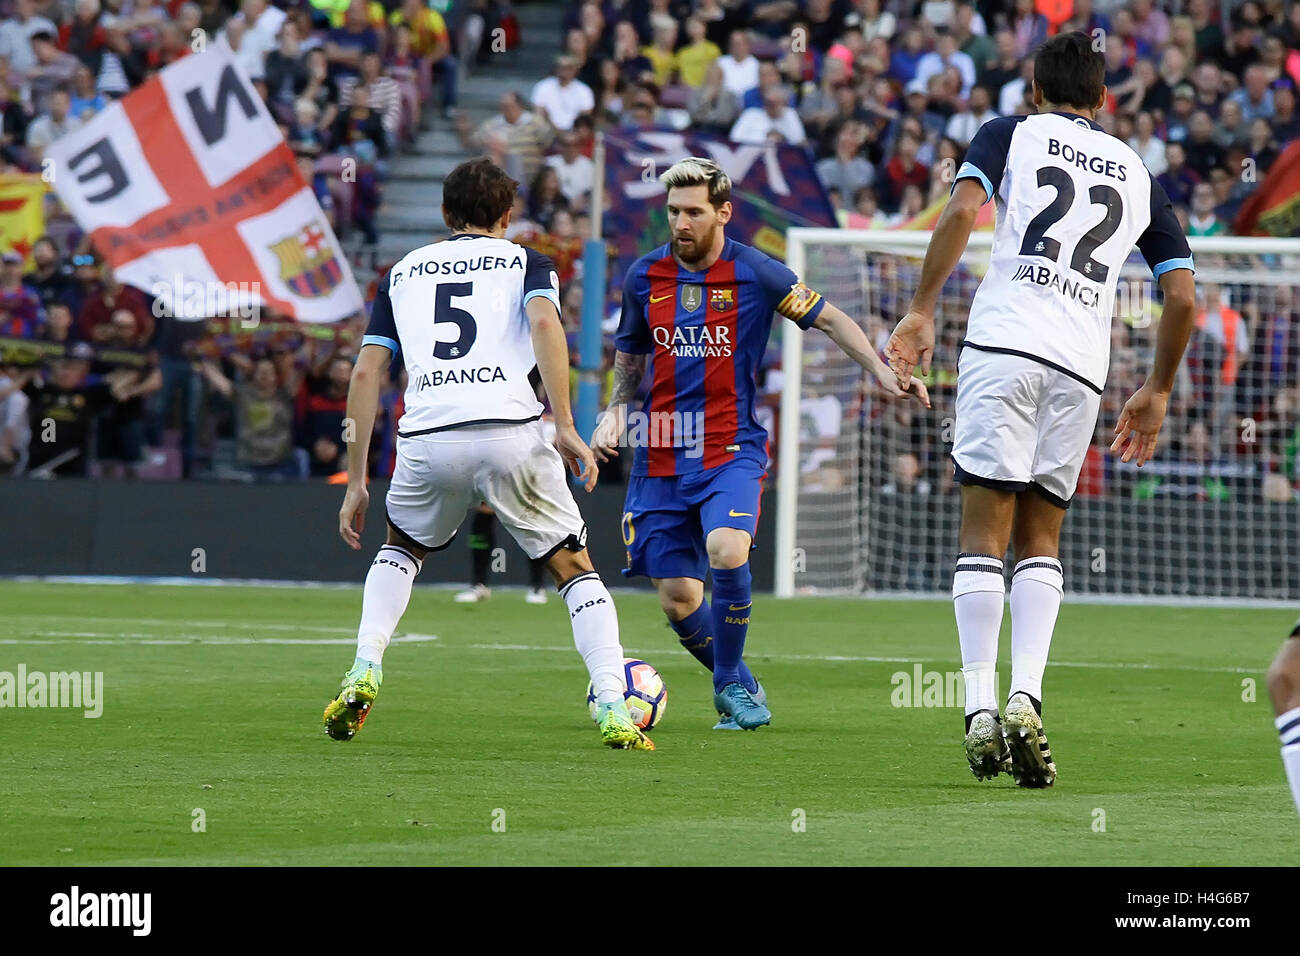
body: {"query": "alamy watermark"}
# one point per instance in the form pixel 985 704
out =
pixel 76 689
pixel 675 429
pixel 76 909
pixel 927 688
pixel 184 298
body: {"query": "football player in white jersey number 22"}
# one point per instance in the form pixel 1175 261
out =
pixel 472 317
pixel 1072 201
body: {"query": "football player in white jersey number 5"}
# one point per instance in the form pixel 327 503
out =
pixel 472 317
pixel 1072 201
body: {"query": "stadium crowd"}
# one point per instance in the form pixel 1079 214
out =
pixel 884 95
pixel 1233 425
pixel 93 373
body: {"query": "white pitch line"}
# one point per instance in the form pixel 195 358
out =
pixel 938 597
pixel 166 622
pixel 93 638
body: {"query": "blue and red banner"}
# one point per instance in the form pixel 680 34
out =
pixel 772 188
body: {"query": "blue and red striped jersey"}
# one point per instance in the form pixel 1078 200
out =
pixel 705 333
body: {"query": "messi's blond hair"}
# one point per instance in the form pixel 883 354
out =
pixel 695 171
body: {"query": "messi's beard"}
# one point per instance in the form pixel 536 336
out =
pixel 698 250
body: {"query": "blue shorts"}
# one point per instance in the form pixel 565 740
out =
pixel 666 520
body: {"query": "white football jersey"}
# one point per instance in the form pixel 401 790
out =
pixel 455 311
pixel 1072 201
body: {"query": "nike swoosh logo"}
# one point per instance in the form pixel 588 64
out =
pixel 661 298
pixel 739 514
pixel 741 608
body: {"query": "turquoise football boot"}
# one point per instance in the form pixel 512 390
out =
pixel 740 704
pixel 727 722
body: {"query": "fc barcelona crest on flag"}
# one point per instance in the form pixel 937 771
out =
pixel 691 297
pixel 721 299
pixel 308 265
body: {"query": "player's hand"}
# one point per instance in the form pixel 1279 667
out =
pixel 916 389
pixel 885 377
pixel 609 429
pixel 911 345
pixel 1139 425
pixel 352 516
pixel 578 456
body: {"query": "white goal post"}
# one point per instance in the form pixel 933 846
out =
pixel 865 499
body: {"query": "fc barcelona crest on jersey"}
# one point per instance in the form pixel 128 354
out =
pixel 308 265
pixel 692 295
pixel 721 299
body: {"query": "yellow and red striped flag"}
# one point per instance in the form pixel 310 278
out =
pixel 927 217
pixel 1274 208
pixel 22 213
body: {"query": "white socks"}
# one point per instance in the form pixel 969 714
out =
pixel 591 611
pixel 595 634
pixel 978 593
pixel 1288 727
pixel 1036 589
pixel 387 592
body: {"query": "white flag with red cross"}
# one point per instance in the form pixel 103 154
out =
pixel 190 193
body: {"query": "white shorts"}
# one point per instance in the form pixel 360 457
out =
pixel 513 468
pixel 1020 424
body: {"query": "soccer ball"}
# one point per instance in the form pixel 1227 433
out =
pixel 646 695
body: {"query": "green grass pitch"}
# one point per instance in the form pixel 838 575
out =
pixel 213 699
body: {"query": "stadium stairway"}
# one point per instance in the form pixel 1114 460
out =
pixel 410 215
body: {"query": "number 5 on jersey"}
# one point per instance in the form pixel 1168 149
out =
pixel 444 311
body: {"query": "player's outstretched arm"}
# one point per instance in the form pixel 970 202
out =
pixel 1138 428
pixel 912 343
pixel 853 342
pixel 552 353
pixel 629 369
pixel 363 402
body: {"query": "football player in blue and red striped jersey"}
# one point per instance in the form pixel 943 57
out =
pixel 698 311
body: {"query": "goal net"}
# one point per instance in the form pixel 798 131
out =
pixel 865 497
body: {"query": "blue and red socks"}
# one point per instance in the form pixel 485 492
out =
pixel 695 632
pixel 732 600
